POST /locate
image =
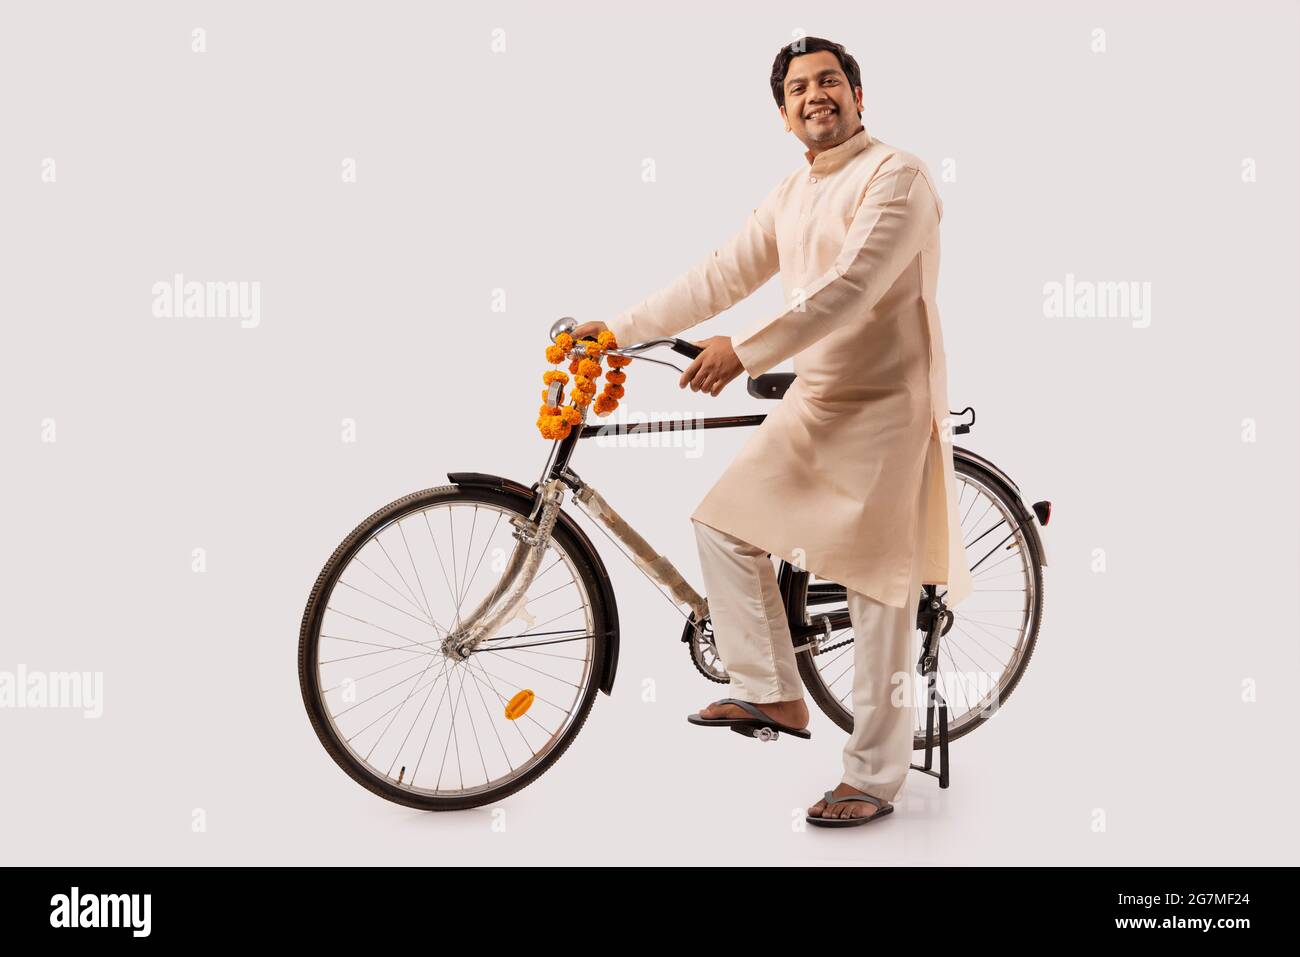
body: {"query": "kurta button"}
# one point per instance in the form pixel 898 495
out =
pixel 812 179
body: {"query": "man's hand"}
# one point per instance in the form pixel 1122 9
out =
pixel 588 330
pixel 713 368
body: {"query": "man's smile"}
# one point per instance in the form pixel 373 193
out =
pixel 823 113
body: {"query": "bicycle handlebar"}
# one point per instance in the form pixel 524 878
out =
pixel 680 346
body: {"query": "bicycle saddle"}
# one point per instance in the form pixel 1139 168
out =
pixel 770 385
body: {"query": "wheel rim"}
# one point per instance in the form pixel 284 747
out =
pixel 413 718
pixel 980 657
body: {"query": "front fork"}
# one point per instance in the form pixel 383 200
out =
pixel 507 600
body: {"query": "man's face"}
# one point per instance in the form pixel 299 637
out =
pixel 820 107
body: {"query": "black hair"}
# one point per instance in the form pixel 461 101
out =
pixel 802 47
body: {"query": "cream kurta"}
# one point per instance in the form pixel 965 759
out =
pixel 830 480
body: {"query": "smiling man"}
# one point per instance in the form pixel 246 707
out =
pixel 851 476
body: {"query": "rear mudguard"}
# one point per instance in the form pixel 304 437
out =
pixel 1024 516
pixel 527 496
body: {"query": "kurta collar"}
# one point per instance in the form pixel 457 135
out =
pixel 832 159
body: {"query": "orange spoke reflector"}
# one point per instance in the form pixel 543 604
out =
pixel 518 706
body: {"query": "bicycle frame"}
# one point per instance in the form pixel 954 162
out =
pixel 657 566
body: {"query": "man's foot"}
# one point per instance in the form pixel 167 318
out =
pixel 792 714
pixel 844 808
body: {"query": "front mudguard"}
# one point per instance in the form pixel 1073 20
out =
pixel 527 496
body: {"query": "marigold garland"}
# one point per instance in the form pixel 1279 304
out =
pixel 556 421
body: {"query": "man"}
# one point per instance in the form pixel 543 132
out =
pixel 851 476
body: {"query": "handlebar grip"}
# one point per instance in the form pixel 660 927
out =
pixel 688 349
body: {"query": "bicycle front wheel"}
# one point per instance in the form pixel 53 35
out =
pixel 408 721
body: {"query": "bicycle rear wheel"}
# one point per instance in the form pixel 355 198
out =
pixel 984 655
pixel 399 715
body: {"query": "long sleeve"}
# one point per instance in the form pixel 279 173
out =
pixel 723 278
pixel 896 218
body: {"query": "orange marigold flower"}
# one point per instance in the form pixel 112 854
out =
pixel 554 427
pixel 557 421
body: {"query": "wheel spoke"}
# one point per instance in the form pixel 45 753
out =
pixel 401 577
pixel 482 554
pixel 387 631
pixel 393 589
pixel 415 566
pixel 478 686
pixel 373 644
pixel 427 620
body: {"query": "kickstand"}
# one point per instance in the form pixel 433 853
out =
pixel 936 702
pixel 932 620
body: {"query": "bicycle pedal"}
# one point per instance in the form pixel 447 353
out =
pixel 761 732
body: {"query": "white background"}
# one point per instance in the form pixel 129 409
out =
pixel 522 171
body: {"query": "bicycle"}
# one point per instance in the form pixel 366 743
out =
pixel 534 664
